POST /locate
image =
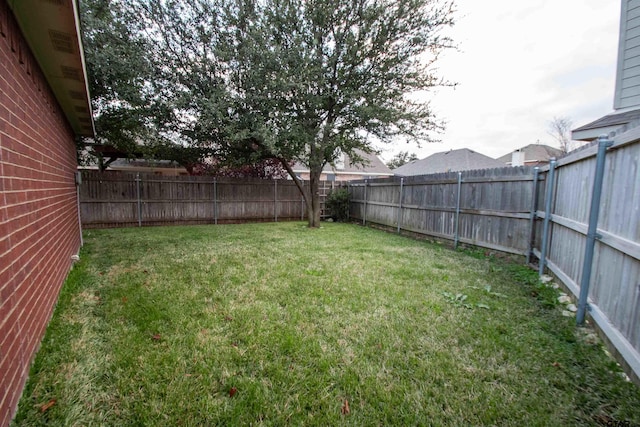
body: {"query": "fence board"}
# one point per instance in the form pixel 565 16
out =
pixel 111 200
pixel 494 206
pixel 495 212
pixel 614 289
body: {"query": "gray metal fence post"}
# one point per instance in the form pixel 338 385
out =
pixel 275 199
pixel 364 214
pixel 139 200
pixel 592 231
pixel 400 205
pixel 547 215
pixel 457 224
pixel 532 216
pixel 215 201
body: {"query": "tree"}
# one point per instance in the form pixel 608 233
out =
pixel 264 169
pixel 402 158
pixel 560 129
pixel 117 72
pixel 132 91
pixel 314 79
pixel 292 80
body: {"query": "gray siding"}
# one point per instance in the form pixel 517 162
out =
pixel 628 71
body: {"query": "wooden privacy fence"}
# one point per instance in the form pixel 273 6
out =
pixel 531 211
pixel 115 199
pixel 608 282
pixel 490 208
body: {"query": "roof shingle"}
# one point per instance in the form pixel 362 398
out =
pixel 448 161
pixel 534 153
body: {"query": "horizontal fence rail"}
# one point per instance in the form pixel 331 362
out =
pixel 541 213
pixel 489 208
pixel 609 284
pixel 115 199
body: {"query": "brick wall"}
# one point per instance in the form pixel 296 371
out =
pixel 38 214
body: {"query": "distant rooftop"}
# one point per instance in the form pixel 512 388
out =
pixel 373 165
pixel 533 153
pixel 449 161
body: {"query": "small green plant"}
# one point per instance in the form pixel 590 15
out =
pixel 488 290
pixel 457 299
pixel 337 204
pixel 461 301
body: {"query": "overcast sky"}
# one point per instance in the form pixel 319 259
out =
pixel 519 64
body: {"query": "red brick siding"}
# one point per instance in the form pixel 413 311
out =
pixel 38 208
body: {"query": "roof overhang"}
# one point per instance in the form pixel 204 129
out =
pixel 52 30
pixel 614 122
pixel 593 134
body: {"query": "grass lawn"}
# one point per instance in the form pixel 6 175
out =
pixel 277 324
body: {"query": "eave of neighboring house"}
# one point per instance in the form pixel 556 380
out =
pixel 606 125
pixel 626 97
pixel 157 167
pixel 52 30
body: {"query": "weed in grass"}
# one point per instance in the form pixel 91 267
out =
pixel 277 324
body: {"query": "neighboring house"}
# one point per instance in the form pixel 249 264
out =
pixel 112 159
pixel 448 161
pixel 155 167
pixel 626 100
pixel 44 107
pixel 344 170
pixel 531 155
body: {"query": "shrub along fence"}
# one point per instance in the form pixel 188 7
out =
pixel 114 199
pixel 593 250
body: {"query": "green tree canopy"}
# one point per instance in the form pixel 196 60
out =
pixel 291 80
pixel 314 79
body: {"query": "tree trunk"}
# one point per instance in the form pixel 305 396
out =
pixel 311 196
pixel 313 208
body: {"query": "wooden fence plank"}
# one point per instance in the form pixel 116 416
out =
pixel 111 200
pixel 495 212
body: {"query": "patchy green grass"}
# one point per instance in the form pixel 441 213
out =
pixel 277 324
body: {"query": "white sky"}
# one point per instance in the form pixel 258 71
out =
pixel 519 64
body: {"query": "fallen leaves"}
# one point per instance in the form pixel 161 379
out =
pixel 47 405
pixel 233 391
pixel 345 408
